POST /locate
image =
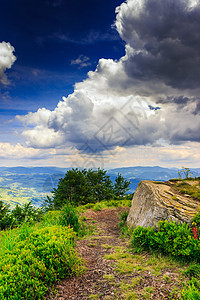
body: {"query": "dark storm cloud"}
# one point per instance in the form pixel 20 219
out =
pixel 189 134
pixel 182 102
pixel 165 35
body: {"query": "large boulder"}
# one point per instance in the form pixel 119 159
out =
pixel 155 201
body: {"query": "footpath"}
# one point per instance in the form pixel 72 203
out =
pixel 112 271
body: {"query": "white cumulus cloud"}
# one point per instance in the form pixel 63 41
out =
pixel 7 58
pixel 148 97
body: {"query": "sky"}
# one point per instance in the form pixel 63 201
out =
pixel 100 83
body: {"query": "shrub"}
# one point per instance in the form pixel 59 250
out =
pixel 143 238
pixel 170 238
pixel 37 261
pixel 191 291
pixel 69 217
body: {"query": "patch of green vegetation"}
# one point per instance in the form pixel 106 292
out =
pixel 175 240
pixel 35 255
pixel 171 238
pixel 92 296
pixel 192 270
pixel 147 291
pixel 92 245
pixel 192 290
pixel 109 277
pixel 104 205
pixel 193 189
pixel 33 258
pixel 106 246
pixel 167 278
pixel 138 265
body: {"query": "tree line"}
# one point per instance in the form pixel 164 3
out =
pixel 18 215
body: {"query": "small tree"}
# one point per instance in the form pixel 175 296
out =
pixel 4 209
pixel 121 186
pixel 185 172
pixel 4 215
pixel 48 204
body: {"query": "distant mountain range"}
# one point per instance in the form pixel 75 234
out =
pixel 137 174
pixel 36 182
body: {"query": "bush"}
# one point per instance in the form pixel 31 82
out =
pixel 37 261
pixel 51 218
pixel 170 238
pixel 69 217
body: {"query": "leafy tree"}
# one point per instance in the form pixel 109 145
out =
pixel 121 186
pixel 81 187
pixel 72 188
pixel 26 213
pixel 100 185
pixel 20 214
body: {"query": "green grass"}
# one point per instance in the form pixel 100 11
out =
pixel 104 205
pixel 133 267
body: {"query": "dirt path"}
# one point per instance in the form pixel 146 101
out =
pixel 149 277
pixel 93 251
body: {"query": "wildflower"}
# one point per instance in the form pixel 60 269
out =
pixel 195 233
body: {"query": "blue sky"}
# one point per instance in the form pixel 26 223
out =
pixel 47 36
pixel 99 83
